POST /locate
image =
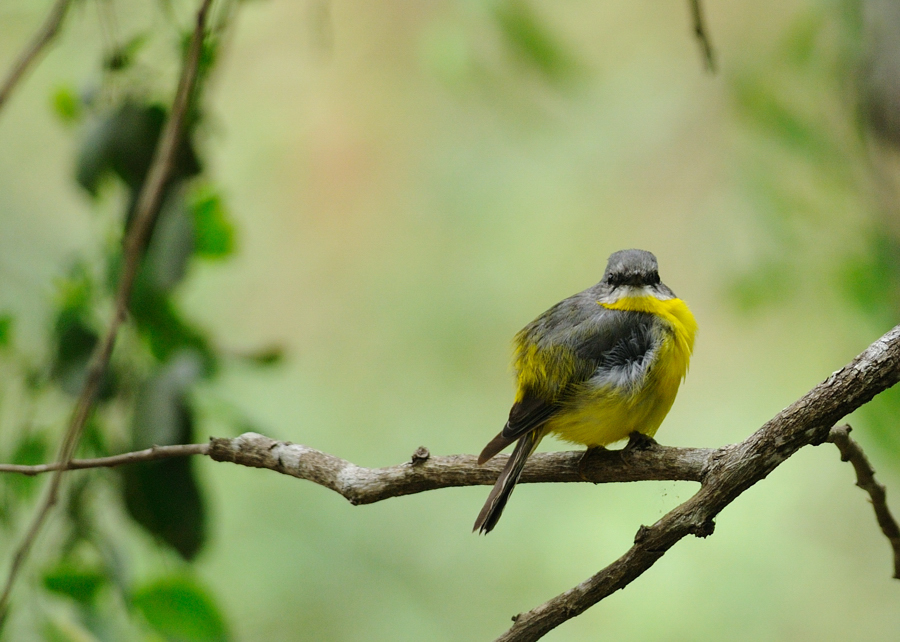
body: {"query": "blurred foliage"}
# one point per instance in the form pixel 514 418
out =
pixel 6 324
pixel 178 608
pixel 788 100
pixel 67 105
pixel 163 496
pixel 156 366
pixel 528 36
pixel 77 583
pixel 214 237
pixel 31 449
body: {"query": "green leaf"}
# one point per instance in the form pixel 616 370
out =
pixel 76 291
pixel 6 327
pixel 164 497
pixel 67 105
pixel 171 246
pixel 213 231
pixel 31 449
pixel 531 40
pixel 75 338
pixel 122 142
pixel 77 583
pixel 123 57
pixel 162 326
pixel 160 413
pixel 180 610
pixel 75 343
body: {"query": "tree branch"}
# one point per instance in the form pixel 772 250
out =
pixel 146 210
pixel 368 485
pixel 29 55
pixel 732 470
pixel 723 473
pixel 150 454
pixel 865 479
pixel 702 35
pixel 423 472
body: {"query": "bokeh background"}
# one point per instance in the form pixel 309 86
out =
pixel 409 184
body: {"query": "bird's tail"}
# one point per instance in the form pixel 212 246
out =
pixel 496 501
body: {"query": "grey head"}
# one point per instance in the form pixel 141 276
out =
pixel 636 268
pixel 631 273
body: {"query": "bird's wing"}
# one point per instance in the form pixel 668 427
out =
pixel 525 415
pixel 615 345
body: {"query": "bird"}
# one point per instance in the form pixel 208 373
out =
pixel 594 368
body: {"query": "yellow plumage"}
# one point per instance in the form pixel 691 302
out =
pixel 595 368
pixel 602 416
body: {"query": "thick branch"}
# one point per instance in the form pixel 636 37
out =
pixel 145 217
pixel 865 479
pixel 733 469
pixel 367 485
pixel 41 39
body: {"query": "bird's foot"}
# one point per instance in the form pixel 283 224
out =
pixel 585 459
pixel 639 441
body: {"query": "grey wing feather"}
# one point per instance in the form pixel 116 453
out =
pixel 612 344
pixel 505 484
pixel 525 415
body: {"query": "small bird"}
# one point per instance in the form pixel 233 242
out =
pixel 594 368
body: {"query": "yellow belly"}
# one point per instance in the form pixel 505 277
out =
pixel 602 415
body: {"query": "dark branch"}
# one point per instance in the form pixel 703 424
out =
pixel 865 479
pixel 702 35
pixel 145 217
pixel 41 39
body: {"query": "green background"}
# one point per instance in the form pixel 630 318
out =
pixel 409 191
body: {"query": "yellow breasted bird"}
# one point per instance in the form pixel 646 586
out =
pixel 594 368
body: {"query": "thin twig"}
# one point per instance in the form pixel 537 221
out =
pixel 149 454
pixel 865 479
pixel 146 210
pixel 29 55
pixel 702 35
